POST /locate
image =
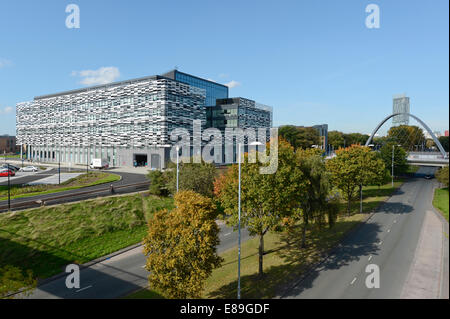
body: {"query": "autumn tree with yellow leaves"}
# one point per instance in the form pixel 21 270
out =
pixel 181 246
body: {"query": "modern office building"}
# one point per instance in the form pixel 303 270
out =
pixel 128 122
pixel 213 90
pixel 238 112
pixel 400 105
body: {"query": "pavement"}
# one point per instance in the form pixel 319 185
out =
pixel 55 179
pixel 119 275
pixel 397 239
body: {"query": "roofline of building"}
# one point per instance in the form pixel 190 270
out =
pixel 95 87
pixel 197 77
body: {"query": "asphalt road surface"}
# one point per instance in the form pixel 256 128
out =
pixel 388 240
pixel 119 275
pixel 127 178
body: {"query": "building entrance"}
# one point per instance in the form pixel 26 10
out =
pixel 139 160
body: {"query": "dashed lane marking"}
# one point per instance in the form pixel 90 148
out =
pixel 84 288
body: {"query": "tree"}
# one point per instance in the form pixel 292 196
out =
pixel 290 133
pixel 158 184
pixel 442 175
pixel 355 139
pixel 13 280
pixel 300 137
pixel 265 198
pixel 444 140
pixel 314 204
pixel 353 167
pixel 198 177
pixel 181 246
pixel 400 158
pixel 308 136
pixel 336 139
pixel 409 137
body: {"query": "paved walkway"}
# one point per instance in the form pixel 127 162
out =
pixel 425 274
pixel 54 179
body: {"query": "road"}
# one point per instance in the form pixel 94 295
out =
pixel 76 194
pixel 389 240
pixel 119 275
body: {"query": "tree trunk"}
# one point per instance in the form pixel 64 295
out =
pixel 261 255
pixel 305 225
pixel 349 203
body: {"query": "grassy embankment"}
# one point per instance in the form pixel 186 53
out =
pixel 46 239
pixel 284 258
pixel 441 201
pixel 84 180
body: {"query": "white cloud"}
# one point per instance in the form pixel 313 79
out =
pixel 233 84
pixel 103 75
pixel 4 63
pixel 6 110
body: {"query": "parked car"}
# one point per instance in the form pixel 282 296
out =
pixel 11 167
pixel 6 172
pixel 29 169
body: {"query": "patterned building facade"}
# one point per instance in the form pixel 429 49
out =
pixel 126 122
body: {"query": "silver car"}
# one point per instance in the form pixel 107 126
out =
pixel 29 169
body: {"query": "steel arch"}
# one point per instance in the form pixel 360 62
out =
pixel 436 141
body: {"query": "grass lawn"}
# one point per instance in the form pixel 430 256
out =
pixel 84 180
pixel 284 260
pixel 46 239
pixel 440 201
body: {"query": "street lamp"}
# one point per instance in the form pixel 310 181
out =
pixel 178 153
pixel 239 214
pixel 9 187
pixel 59 165
pixel 392 173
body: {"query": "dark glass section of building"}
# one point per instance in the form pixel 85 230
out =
pixel 237 112
pixel 214 90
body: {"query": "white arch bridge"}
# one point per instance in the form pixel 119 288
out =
pixel 419 158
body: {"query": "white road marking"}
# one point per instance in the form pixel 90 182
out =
pixel 84 288
pixel 227 234
pixel 380 242
pixel 353 281
pixel 389 230
pixel 370 257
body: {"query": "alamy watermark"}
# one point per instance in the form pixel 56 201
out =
pixel 73 19
pixel 373 19
pixel 211 146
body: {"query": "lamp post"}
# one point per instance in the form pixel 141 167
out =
pixel 9 188
pixel 59 165
pixel 239 217
pixel 392 172
pixel 178 153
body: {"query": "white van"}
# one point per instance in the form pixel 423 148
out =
pixel 100 163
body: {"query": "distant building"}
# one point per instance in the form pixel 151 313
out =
pixel 322 129
pixel 400 105
pixel 446 133
pixel 238 113
pixel 8 144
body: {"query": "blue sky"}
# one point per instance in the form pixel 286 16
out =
pixel 313 61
